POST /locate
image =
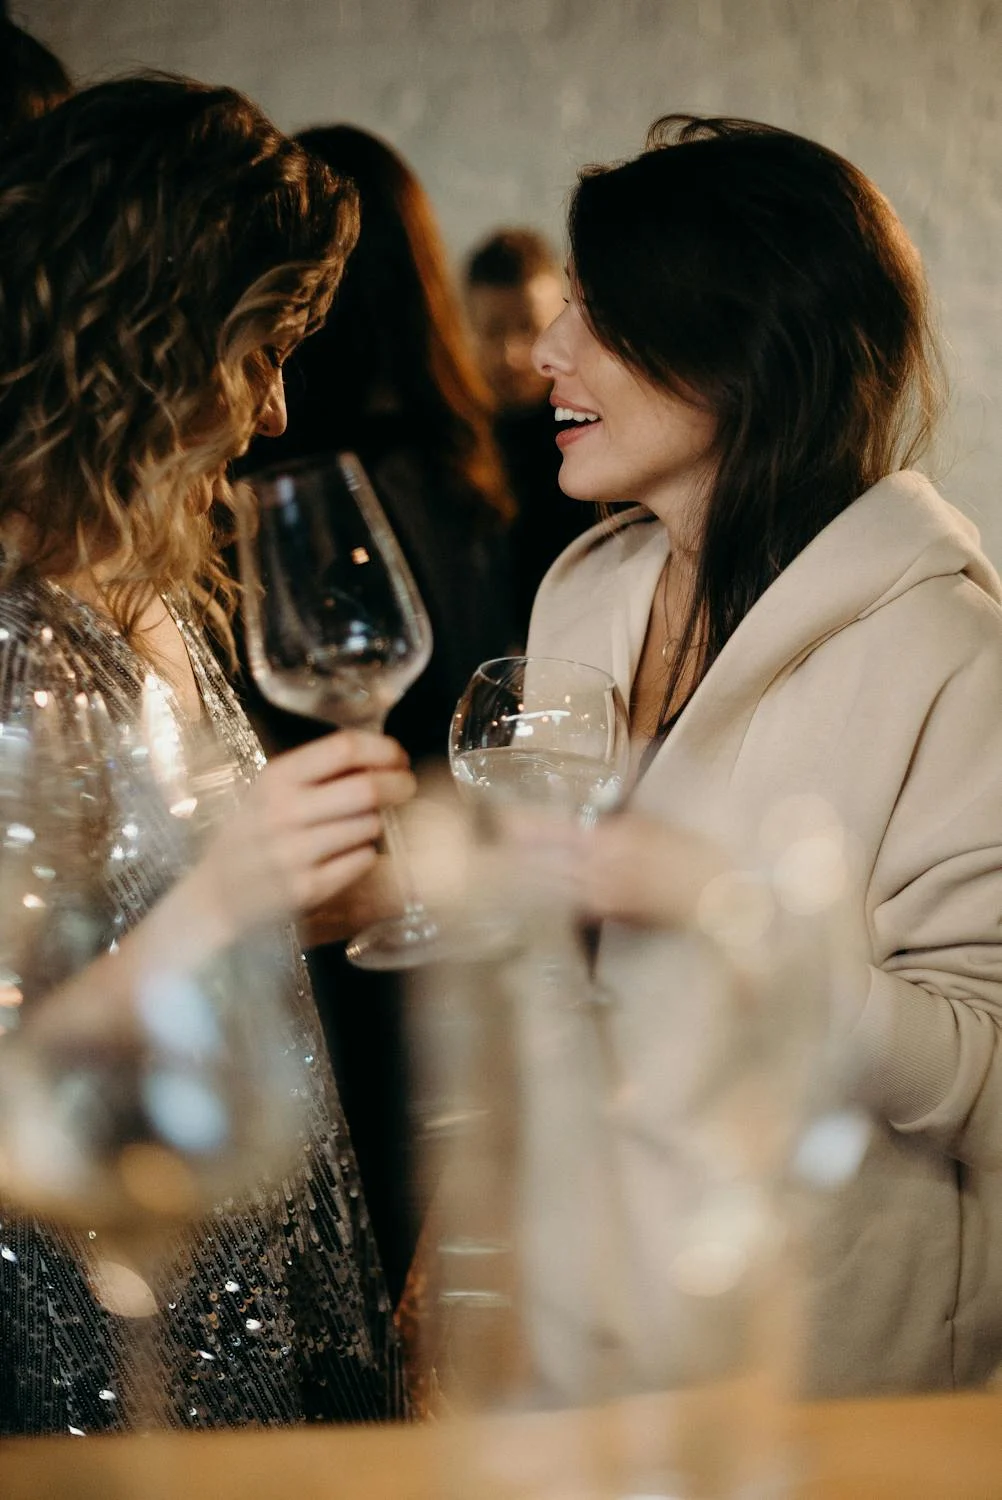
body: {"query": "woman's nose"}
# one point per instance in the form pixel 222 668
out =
pixel 549 352
pixel 274 416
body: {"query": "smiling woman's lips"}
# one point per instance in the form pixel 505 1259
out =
pixel 570 419
pixel 569 432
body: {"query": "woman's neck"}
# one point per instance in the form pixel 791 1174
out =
pixel 91 585
pixel 680 502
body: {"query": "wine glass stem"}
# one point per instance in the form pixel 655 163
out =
pixel 396 848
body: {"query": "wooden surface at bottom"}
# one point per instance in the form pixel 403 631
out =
pixel 942 1448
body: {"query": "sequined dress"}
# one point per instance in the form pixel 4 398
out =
pixel 271 1314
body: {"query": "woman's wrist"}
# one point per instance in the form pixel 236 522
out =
pixel 190 926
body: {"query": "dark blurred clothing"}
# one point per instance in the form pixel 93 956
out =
pixel 547 519
pixel 457 551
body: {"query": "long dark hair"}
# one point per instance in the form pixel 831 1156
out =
pixel 764 276
pixel 395 335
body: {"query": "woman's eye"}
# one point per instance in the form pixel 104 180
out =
pixel 276 356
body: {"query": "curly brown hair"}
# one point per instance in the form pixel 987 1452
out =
pixel 160 240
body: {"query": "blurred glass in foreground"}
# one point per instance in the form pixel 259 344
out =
pixel 621 1179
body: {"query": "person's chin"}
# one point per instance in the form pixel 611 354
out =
pixel 577 488
pixel 581 477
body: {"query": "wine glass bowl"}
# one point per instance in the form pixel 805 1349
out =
pixel 544 733
pixel 335 626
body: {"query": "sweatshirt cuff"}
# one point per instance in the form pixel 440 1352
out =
pixel 902 1056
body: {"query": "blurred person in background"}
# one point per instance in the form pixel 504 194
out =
pixel 788 608
pixel 162 249
pixel 514 289
pixel 391 378
pixel 32 79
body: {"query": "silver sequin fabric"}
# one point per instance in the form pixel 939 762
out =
pixel 274 1311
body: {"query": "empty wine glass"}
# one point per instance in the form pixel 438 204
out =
pixel 336 631
pixel 538 731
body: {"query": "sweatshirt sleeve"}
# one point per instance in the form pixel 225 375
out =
pixel 926 1049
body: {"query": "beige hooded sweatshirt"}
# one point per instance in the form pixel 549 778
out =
pixel 869 673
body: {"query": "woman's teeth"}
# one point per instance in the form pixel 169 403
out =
pixel 568 414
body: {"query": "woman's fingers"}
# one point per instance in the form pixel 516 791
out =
pixel 287 808
pixel 325 881
pixel 629 868
pixel 307 829
pixel 337 755
pixel 351 795
pixel 314 846
pixel 328 779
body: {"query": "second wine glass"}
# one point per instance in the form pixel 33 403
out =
pixel 538 731
pixel 336 631
pixel 542 736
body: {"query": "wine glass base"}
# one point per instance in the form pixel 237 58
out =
pixel 397 943
pixel 409 942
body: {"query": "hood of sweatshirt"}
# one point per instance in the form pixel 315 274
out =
pixel 894 537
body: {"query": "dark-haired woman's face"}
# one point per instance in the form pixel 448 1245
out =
pixel 622 437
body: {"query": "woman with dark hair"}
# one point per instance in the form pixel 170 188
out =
pixel 391 378
pixel 162 249
pixel 789 609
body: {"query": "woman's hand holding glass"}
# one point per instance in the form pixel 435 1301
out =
pixel 297 847
pixel 306 833
pixel 336 630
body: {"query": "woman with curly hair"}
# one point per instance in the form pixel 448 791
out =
pixel 162 249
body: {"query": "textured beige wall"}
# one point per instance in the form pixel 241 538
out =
pixel 496 102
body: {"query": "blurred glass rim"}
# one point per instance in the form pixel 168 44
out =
pixel 500 670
